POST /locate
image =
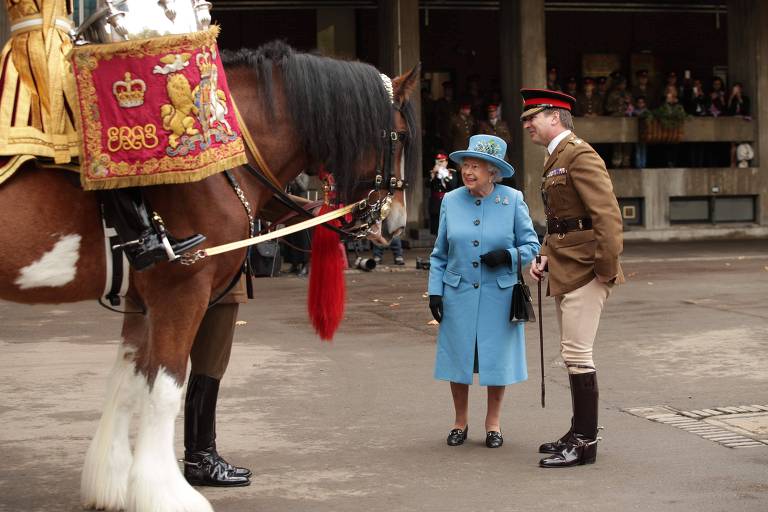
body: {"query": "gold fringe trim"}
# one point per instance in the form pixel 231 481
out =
pixel 163 179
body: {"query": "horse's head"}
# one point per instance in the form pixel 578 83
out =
pixel 400 156
pixel 309 112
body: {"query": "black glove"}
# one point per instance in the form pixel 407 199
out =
pixel 436 307
pixel 496 258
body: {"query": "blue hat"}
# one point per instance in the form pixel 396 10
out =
pixel 489 148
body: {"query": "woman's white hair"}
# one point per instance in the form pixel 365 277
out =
pixel 497 177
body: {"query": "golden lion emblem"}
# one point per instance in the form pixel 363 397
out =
pixel 178 116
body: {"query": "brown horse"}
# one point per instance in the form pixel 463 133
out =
pixel 303 111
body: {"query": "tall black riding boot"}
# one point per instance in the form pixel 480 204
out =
pixel 559 445
pixel 202 464
pixel 143 237
pixel 581 448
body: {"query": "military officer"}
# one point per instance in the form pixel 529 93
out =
pixel 462 126
pixel 495 125
pixel 590 103
pixel 581 253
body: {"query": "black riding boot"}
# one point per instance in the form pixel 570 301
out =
pixel 559 445
pixel 581 447
pixel 141 235
pixel 202 464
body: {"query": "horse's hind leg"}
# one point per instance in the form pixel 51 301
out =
pixel 155 483
pixel 104 480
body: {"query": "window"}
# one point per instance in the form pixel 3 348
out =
pixel 632 211
pixel 713 209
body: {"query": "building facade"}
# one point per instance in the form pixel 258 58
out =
pixel 500 46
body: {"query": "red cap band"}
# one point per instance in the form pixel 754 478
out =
pixel 534 102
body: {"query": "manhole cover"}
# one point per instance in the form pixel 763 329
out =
pixel 743 426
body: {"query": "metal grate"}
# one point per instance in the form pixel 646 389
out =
pixel 743 426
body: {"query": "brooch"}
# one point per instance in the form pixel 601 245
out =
pixel 497 200
pixel 505 201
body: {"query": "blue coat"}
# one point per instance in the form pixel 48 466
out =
pixel 477 298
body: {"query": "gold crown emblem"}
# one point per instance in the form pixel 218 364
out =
pixel 204 64
pixel 129 92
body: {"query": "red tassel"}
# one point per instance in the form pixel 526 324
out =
pixel 327 288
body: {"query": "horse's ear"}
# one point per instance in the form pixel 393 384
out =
pixel 405 85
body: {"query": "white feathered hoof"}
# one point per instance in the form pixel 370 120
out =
pixel 155 483
pixel 104 482
pixel 164 493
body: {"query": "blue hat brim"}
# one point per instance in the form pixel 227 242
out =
pixel 507 171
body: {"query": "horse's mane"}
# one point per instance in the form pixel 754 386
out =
pixel 339 107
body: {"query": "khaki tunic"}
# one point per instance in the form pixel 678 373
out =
pixel 575 183
pixel 462 128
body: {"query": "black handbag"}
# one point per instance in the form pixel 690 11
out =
pixel 522 306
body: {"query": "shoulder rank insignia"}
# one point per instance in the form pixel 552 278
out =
pixel 575 140
pixel 557 172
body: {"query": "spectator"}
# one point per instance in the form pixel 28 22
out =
pixel 738 103
pixel 641 148
pixel 717 102
pixel 475 96
pixel 571 86
pixel 619 104
pixel 588 103
pixel 643 86
pixel 444 108
pixel 462 126
pixel 553 84
pixel 442 179
pixel 671 82
pixel 495 125
pixel 697 103
pixel 671 106
pixel 602 88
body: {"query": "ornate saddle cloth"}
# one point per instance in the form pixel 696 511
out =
pixel 154 111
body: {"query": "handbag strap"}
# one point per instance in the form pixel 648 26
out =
pixel 519 266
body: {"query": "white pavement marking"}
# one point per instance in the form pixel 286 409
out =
pixel 56 267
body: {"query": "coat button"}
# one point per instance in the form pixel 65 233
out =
pixel 477 202
pixel 476 285
pixel 475 264
pixel 476 243
pixel 477 222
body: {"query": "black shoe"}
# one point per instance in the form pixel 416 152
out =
pixel 493 439
pixel 578 451
pixel 457 436
pixel 208 469
pixel 235 470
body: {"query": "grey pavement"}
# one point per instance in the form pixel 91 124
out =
pixel 360 425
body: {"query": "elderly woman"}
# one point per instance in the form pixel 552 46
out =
pixel 484 226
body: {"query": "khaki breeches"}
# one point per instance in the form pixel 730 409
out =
pixel 578 317
pixel 213 343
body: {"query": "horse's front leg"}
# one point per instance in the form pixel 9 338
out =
pixel 155 482
pixel 104 481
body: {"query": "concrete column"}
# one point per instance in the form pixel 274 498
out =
pixel 523 64
pixel 748 63
pixel 336 29
pixel 400 51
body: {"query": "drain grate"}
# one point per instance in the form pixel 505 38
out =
pixel 743 426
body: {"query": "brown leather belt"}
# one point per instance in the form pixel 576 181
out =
pixel 563 226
